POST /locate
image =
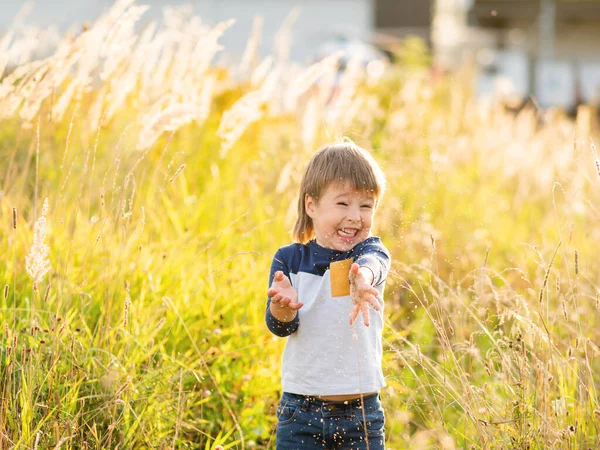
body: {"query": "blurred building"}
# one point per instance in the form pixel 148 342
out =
pixel 396 18
pixel 548 48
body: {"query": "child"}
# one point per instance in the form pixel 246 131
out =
pixel 331 370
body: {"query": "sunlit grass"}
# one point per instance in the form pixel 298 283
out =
pixel 167 198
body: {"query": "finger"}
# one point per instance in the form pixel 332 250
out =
pixel 276 299
pixel 295 305
pixel 281 279
pixel 285 301
pixel 365 314
pixel 354 313
pixel 367 294
pixel 367 289
pixel 354 268
pixel 285 281
pixel 373 301
pixel 272 291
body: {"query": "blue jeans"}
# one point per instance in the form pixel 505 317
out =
pixel 306 423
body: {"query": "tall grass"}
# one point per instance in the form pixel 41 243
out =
pixel 170 182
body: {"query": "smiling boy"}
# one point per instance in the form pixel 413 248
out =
pixel 331 370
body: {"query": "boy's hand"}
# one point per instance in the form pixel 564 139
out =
pixel 284 298
pixel 362 293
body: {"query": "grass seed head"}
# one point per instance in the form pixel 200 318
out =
pixel 126 311
pixel 37 262
pixel 47 293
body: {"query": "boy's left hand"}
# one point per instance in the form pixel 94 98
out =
pixel 362 293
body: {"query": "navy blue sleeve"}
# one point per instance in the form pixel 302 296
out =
pixel 372 254
pixel 276 326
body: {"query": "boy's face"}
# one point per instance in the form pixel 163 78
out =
pixel 342 217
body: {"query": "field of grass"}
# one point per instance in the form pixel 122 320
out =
pixel 144 190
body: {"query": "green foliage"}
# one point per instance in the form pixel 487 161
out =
pixel 413 53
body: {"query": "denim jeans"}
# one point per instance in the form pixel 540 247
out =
pixel 306 423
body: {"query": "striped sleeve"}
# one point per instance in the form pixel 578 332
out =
pixel 276 326
pixel 373 255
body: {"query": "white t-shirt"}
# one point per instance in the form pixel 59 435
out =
pixel 324 354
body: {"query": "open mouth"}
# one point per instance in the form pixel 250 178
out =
pixel 347 233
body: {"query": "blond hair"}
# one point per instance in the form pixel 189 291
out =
pixel 342 163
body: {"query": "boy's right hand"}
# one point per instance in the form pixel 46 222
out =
pixel 284 298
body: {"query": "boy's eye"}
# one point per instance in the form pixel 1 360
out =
pixel 342 203
pixel 367 206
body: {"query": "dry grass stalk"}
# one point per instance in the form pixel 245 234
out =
pixel 60 107
pixel 251 54
pixel 146 47
pixel 68 139
pixel 96 110
pixel 17 85
pixel 126 311
pixel 207 47
pixel 283 37
pixel 545 282
pixel 155 70
pixel 47 293
pixel 306 79
pixel 120 39
pixel 236 120
pixel 59 66
pixel 33 89
pixel 262 70
pixel 37 263
pixel 5 43
pixel 38 435
pixel 177 172
pixel 310 121
pixel 170 119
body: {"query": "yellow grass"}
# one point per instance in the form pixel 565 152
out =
pixel 171 182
